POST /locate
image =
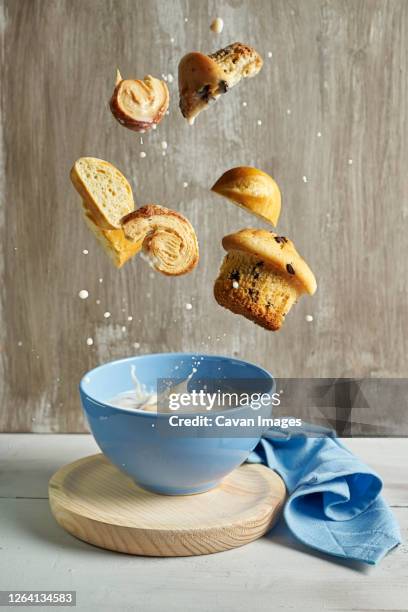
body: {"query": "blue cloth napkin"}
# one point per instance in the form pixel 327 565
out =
pixel 334 502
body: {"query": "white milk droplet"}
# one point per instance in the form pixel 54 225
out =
pixel 106 315
pixel 309 318
pixel 83 294
pixel 304 179
pixel 85 251
pixel 217 25
pixel 89 341
pixel 142 154
pixel 189 306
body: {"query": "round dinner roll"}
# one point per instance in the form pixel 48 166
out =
pixel 262 276
pixel 253 190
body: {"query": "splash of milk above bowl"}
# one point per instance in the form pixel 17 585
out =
pixel 141 398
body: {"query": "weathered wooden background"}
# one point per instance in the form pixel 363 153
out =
pixel 333 102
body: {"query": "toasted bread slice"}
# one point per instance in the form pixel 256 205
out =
pixel 106 193
pixel 113 242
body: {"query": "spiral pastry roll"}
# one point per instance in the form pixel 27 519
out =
pixel 139 104
pixel 168 238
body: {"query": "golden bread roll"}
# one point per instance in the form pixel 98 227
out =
pixel 262 276
pixel 105 192
pixel 253 190
pixel 203 78
pixel 168 238
pixel 113 242
pixel 139 104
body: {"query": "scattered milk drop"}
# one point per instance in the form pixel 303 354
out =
pixel 98 301
pixel 185 19
pixel 89 341
pixel 185 184
pixel 189 306
pixel 154 126
pixel 304 179
pixel 309 318
pixel 269 54
pixel 319 134
pixel 235 284
pixel 350 162
pixel 164 144
pixel 259 122
pixel 19 343
pixel 123 328
pixel 288 111
pixel 85 251
pixel 142 154
pixel 101 280
pixel 136 345
pixel 130 318
pixel 172 40
pixel 83 294
pixel 170 78
pixel 164 153
pixel 217 25
pixel 245 104
pixel 106 315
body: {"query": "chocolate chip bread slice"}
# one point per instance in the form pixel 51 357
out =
pixel 262 276
pixel 203 78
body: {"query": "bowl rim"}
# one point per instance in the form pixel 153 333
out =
pixel 147 414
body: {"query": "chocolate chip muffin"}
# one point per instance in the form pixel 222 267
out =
pixel 262 276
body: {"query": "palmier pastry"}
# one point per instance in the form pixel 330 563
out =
pixel 168 238
pixel 139 104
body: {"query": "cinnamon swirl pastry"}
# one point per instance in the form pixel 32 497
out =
pixel 168 238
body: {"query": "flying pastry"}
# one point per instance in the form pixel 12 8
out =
pixel 168 238
pixel 253 190
pixel 262 276
pixel 139 104
pixel 203 78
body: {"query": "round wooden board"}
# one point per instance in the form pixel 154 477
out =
pixel 97 503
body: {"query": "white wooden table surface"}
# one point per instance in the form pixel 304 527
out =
pixel 273 573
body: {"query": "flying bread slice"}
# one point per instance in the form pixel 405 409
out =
pixel 203 78
pixel 113 242
pixel 106 193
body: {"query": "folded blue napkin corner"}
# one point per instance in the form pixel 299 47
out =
pixel 334 502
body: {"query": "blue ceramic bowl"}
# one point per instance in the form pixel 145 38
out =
pixel 139 442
